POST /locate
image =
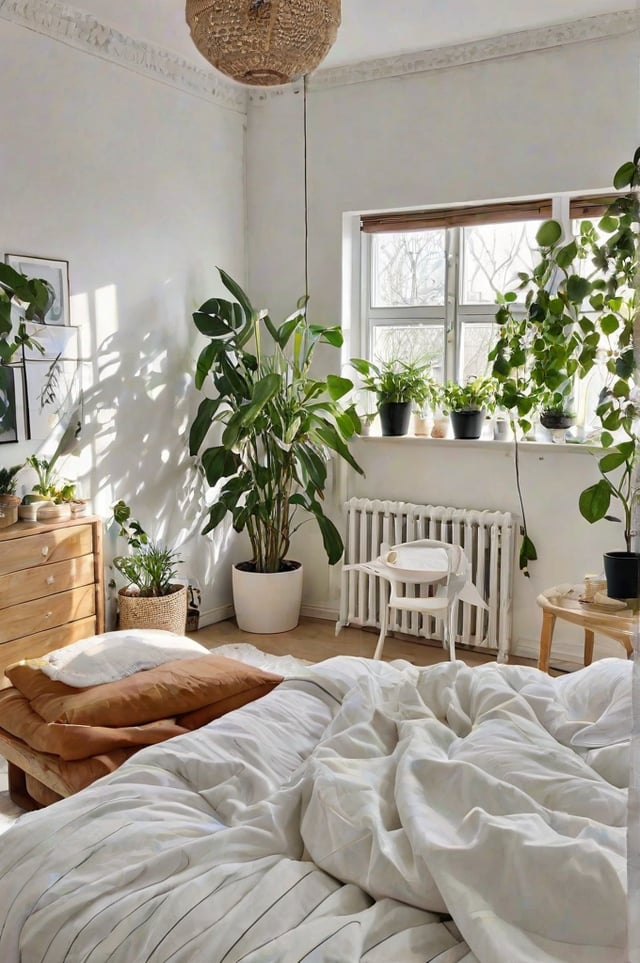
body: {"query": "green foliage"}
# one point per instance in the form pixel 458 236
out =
pixel 151 567
pixel 277 424
pixel 22 299
pixel 477 394
pixel 8 480
pixel 48 484
pixel 580 294
pixel 398 381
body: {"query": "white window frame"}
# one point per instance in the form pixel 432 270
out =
pixel 454 313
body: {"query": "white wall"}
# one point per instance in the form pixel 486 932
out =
pixel 558 120
pixel 140 187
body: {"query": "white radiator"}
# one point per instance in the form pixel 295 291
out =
pixel 487 539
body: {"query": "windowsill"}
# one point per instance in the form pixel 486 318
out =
pixel 534 446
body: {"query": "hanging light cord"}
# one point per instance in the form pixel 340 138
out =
pixel 306 191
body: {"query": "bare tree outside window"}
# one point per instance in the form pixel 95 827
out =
pixel 493 254
pixel 408 268
pixel 413 342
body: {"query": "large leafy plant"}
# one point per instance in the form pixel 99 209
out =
pixel 579 311
pixel 277 424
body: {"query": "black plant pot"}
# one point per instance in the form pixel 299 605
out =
pixel 395 417
pixel 622 570
pixel 556 420
pixel 467 424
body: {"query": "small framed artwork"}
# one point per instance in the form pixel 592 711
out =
pixel 52 389
pixel 55 273
pixel 55 342
pixel 12 405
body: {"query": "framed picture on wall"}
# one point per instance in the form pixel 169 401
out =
pixel 55 341
pixel 52 390
pixel 12 405
pixel 55 273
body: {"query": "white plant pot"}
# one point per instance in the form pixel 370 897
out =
pixel 422 424
pixel 267 602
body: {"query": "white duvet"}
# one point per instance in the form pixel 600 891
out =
pixel 339 819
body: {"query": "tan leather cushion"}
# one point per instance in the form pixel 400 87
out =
pixel 170 690
pixel 72 742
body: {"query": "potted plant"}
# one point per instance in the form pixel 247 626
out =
pixel 9 501
pixel 469 404
pixel 56 497
pixel 278 424
pixel 151 599
pixel 617 467
pixel 398 385
pixel 54 494
pixel 579 311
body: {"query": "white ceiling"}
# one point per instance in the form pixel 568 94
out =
pixel 370 28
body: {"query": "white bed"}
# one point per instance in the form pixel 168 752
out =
pixel 361 811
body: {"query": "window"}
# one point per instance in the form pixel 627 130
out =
pixel 431 280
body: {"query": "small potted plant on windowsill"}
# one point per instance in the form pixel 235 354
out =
pixel 469 405
pixel 151 599
pixel 398 385
pixel 557 409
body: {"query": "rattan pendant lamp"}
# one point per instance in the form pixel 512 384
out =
pixel 264 42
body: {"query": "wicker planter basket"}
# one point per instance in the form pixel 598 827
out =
pixel 167 612
pixel 9 510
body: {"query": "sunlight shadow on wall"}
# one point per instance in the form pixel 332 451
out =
pixel 139 401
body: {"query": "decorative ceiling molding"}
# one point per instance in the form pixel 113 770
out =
pixel 81 30
pixel 457 55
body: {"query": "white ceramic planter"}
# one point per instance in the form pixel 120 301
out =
pixel 267 602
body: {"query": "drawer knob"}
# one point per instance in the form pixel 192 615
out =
pixel 45 550
pixel 48 615
pixel 51 579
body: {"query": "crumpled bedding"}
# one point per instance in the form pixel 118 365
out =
pixel 340 818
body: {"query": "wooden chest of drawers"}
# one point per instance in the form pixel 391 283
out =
pixel 51 587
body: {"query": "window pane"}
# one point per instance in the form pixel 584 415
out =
pixel 411 342
pixel 477 341
pixel 492 255
pixel 408 268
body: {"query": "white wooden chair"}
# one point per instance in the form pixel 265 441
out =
pixel 423 562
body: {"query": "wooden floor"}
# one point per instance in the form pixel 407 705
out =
pixel 315 640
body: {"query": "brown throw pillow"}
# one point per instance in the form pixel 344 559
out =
pixel 72 741
pixel 170 690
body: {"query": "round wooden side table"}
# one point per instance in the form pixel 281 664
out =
pixel 618 624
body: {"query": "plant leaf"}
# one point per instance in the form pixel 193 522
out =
pixel 594 501
pixel 549 233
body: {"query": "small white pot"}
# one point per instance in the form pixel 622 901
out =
pixel 422 424
pixel 267 602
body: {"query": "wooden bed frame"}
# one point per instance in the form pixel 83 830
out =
pixel 27 764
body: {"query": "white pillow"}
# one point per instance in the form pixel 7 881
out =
pixel 115 655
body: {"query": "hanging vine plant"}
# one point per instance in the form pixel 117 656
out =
pixel 579 308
